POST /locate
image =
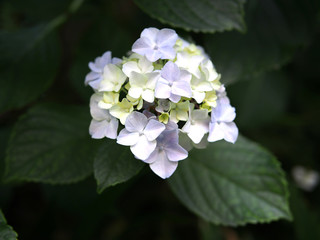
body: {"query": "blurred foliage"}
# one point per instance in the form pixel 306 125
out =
pixel 272 72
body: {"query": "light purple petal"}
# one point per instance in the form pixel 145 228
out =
pixel 215 132
pixel 136 122
pixel 182 89
pixel 174 98
pixel 223 112
pixel 116 61
pixel 96 83
pixel 167 53
pixel 162 89
pixel 143 148
pixel 111 131
pixel 96 112
pixel 150 33
pixel 153 129
pixel 166 37
pixel 94 68
pixel 105 59
pixel 91 76
pixel 153 156
pixel 170 72
pixel 176 153
pixel 230 131
pixel 162 166
pixel 153 55
pixel 141 46
pixel 97 129
pixel 127 138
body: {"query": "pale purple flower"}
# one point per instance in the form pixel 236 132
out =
pixel 94 77
pixel 174 83
pixel 163 161
pixel 102 124
pixel 140 134
pixel 221 125
pixel 156 44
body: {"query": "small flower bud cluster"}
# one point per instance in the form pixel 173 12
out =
pixel 167 96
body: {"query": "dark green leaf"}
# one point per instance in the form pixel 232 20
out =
pixel 270 41
pixel 51 144
pixel 29 61
pixel 197 15
pixel 232 184
pixel 6 231
pixel 114 164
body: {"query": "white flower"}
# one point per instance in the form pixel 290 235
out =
pixel 173 83
pixel 179 111
pixel 122 110
pixel 189 62
pixel 140 134
pixel 197 125
pixel 155 44
pixel 102 124
pixel 113 78
pixel 143 65
pixel 199 87
pixel 222 125
pixel 143 85
pixel 210 73
pixel 109 99
pixel 163 161
pixel 96 75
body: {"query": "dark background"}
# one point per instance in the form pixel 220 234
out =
pixel 272 75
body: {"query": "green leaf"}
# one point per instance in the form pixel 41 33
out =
pixel 232 184
pixel 197 15
pixel 6 231
pixel 51 144
pixel 29 62
pixel 114 164
pixel 269 43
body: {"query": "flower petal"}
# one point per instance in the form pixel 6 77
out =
pixel 223 112
pixel 143 148
pixel 153 55
pixel 166 37
pixel 136 122
pixel 142 46
pixel 182 89
pixel 130 67
pixel 150 33
pixel 215 132
pixel 230 131
pixel 153 129
pixel 96 112
pixel 127 138
pixel 170 72
pixel 148 95
pixel 135 92
pixel 176 153
pixel 97 129
pixel 162 90
pixel 162 166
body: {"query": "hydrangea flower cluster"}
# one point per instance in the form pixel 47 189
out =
pixel 167 97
